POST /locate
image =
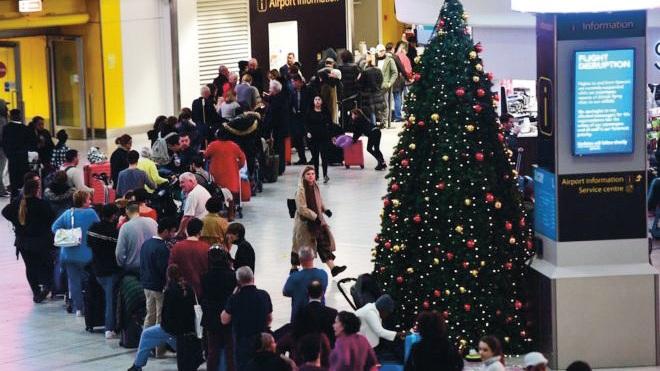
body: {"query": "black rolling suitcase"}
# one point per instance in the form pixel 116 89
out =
pixel 93 303
pixel 272 166
pixel 131 310
pixel 188 352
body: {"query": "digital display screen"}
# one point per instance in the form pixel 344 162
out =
pixel 603 104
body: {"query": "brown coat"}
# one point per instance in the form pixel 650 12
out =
pixel 302 236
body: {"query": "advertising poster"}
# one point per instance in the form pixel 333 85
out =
pixel 545 208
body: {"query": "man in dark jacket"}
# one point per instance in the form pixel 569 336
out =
pixel 204 114
pixel 258 79
pixel 154 256
pixel 277 120
pixel 349 74
pixel 301 102
pixel 16 141
pixel 315 317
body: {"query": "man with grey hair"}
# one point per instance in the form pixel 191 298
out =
pixel 277 119
pixel 204 114
pixel 250 312
pixel 194 203
pixel 298 282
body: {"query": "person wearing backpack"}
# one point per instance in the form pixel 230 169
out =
pixel 160 150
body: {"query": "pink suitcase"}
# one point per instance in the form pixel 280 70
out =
pixel 102 193
pixel 354 155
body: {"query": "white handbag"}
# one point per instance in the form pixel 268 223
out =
pixel 68 237
pixel 198 318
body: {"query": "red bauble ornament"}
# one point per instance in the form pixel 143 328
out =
pixel 377 238
pixel 417 219
pixel 399 280
pixel 441 186
pixel 388 245
pixel 386 202
pixel 530 244
pixel 508 226
pixel 402 152
pixel 436 293
pixel 522 222
pixel 467 307
pixel 405 163
pixel 450 256
pixel 393 217
pixel 394 187
pixel 382 269
pixel 460 92
pixel 498 312
pixel 477 108
pixel 421 124
pixel 426 304
pixel 508 266
pixel 445 314
pixel 490 76
pixel 523 334
pixel 500 137
pixel 417 77
pixel 466 265
pixel 489 197
pixel 518 305
pixel 470 244
pixel 442 23
pixel 509 319
pixel 496 98
pixel 479 156
pixel 478 48
pixel 481 93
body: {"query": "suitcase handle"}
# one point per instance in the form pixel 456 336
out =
pixel 343 292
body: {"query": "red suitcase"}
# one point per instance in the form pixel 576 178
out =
pixel 353 155
pixel 102 194
pixel 246 190
pixel 287 150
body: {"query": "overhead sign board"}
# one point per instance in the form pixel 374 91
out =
pixel 581 6
pixel 29 6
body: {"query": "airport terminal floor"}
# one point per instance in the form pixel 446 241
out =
pixel 44 336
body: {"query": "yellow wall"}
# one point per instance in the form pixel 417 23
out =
pixel 392 29
pixel 9 8
pixel 34 76
pixel 112 64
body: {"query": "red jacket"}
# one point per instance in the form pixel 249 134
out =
pixel 192 259
pixel 226 159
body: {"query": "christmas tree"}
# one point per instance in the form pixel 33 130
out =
pixel 454 236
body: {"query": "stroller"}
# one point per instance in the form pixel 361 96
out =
pixel 364 291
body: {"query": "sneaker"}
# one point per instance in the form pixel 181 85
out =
pixel 337 270
pixel 135 368
pixel 110 335
pixel 79 313
pixel 326 179
pixel 40 296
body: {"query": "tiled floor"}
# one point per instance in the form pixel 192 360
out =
pixel 39 337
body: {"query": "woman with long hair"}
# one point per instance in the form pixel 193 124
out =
pixel 310 228
pixel 434 351
pixel 352 350
pixel 490 350
pixel 318 135
pixel 119 158
pixel 32 217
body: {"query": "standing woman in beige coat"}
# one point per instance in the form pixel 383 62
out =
pixel 309 227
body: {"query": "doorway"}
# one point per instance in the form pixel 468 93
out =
pixel 67 86
pixel 10 75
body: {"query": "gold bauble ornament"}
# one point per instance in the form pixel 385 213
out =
pixel 462 290
pixel 396 202
pixel 469 128
pixel 410 270
pixel 465 16
pixel 459 229
pixel 411 119
pixel 467 202
pixel 512 240
pixel 373 254
pixel 475 78
pixel 474 273
pixel 509 153
pixel 506 339
pixel 412 146
pixel 445 158
pixel 447 292
pixel 418 59
pixel 382 213
pixel 436 261
pixel 472 55
pixel 498 205
pixel 463 343
pixel 435 117
pixel 482 263
pixel 396 248
pixel 479 67
pixel 514 172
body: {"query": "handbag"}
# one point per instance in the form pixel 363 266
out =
pixel 68 237
pixel 291 204
pixel 198 318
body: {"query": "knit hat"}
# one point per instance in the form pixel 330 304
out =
pixel 385 304
pixel 534 359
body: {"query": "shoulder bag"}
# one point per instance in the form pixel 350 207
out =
pixel 68 237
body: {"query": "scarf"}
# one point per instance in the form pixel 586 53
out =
pixel 310 197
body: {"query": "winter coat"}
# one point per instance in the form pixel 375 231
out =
pixel 302 236
pixel 390 72
pixel 349 74
pixel 372 96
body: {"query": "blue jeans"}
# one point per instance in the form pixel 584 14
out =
pixel 108 283
pixel 151 338
pixel 76 274
pixel 397 105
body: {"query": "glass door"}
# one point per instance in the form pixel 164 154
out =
pixel 67 86
pixel 10 77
